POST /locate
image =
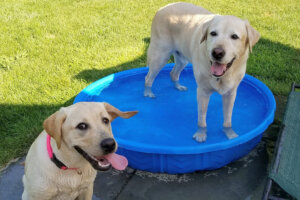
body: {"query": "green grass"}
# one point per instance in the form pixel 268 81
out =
pixel 51 50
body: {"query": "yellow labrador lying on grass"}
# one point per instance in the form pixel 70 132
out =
pixel 63 164
pixel 216 45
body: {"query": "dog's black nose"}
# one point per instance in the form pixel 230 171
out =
pixel 108 145
pixel 218 53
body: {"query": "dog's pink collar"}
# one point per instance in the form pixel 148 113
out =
pixel 53 158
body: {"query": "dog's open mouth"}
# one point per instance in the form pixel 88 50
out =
pixel 217 69
pixel 104 162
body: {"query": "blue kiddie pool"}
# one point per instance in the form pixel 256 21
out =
pixel 160 137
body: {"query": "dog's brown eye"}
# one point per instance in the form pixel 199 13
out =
pixel 234 36
pixel 82 126
pixel 105 120
pixel 213 33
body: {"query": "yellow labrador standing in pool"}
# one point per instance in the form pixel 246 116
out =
pixel 216 45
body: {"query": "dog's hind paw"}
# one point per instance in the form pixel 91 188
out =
pixel 148 92
pixel 179 87
pixel 230 133
pixel 200 135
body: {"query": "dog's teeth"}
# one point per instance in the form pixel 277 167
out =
pixel 103 165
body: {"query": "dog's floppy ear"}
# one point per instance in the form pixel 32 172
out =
pixel 205 30
pixel 53 125
pixel 114 112
pixel 252 36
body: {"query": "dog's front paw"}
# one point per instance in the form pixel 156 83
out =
pixel 200 135
pixel 230 133
pixel 148 92
pixel 179 87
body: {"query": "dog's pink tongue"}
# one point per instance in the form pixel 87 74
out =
pixel 217 68
pixel 117 161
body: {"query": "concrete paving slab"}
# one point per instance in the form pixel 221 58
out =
pixel 238 180
pixel 11 186
pixel 109 184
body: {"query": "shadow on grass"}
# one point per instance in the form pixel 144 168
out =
pixel 275 64
pixel 19 125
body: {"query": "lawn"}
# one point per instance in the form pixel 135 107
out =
pixel 51 50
